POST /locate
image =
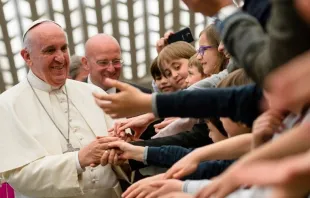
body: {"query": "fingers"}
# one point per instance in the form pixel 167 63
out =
pixel 115 83
pixel 171 172
pixel 107 139
pixel 125 126
pixel 112 156
pixel 105 158
pixel 117 144
pixel 133 191
pixel 159 183
pixel 111 129
pixel 104 104
pixel 103 96
pixel 160 125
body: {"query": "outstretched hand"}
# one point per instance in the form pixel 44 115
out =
pixel 138 124
pixel 142 188
pixel 128 102
pixel 127 151
pixel 183 167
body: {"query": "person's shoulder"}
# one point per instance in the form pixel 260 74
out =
pixel 85 87
pixel 14 93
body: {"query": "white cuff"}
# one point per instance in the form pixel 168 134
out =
pixel 77 163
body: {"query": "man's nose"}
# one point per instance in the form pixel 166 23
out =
pixel 60 57
pixel 110 68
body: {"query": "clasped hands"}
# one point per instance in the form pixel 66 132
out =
pixel 109 150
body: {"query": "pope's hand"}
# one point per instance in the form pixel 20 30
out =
pixel 92 153
pixel 128 102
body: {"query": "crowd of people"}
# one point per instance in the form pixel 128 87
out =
pixel 230 119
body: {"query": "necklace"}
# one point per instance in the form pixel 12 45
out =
pixel 70 148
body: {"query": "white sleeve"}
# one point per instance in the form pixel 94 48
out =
pixel 55 176
pixel 77 163
pixel 193 186
pixel 177 126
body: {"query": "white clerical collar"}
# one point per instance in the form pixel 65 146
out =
pixel 40 84
pixel 109 91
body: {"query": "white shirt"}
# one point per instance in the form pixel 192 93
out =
pixel 108 91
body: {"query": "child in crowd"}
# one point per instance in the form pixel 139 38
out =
pixel 173 63
pixel 208 61
pixel 195 71
pixel 161 82
pixel 195 74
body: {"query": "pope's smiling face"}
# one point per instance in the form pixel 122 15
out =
pixel 48 54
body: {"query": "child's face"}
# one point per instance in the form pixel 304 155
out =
pixel 209 59
pixel 214 133
pixel 233 128
pixel 193 75
pixel 176 72
pixel 163 84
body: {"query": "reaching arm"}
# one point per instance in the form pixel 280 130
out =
pixel 231 148
pixel 238 103
pixel 283 146
pixel 177 126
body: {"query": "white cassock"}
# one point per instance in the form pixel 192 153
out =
pixel 31 147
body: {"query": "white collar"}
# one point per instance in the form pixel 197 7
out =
pixel 109 91
pixel 40 84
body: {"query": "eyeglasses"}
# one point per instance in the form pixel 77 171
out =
pixel 106 63
pixel 201 50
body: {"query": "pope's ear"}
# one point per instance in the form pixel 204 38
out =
pixel 26 56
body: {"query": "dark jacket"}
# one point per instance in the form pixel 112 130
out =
pixel 260 52
pixel 166 156
pixel 241 104
pixel 259 9
pixel 197 137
